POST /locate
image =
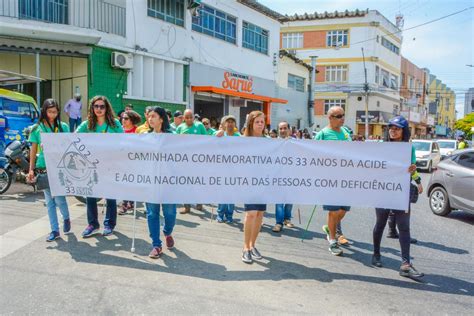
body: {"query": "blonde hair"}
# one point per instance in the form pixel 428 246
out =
pixel 251 119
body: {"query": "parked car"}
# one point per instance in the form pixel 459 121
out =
pixel 451 186
pixel 447 146
pixel 21 112
pixel 427 154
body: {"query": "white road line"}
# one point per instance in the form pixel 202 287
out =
pixel 26 234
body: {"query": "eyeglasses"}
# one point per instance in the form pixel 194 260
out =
pixel 205 123
pixel 125 118
pixel 339 116
pixel 99 106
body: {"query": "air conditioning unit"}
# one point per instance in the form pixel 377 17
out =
pixel 122 60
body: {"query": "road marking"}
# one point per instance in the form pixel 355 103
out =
pixel 26 234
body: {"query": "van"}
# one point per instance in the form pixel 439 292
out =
pixel 21 111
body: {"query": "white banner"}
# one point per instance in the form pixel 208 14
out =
pixel 166 168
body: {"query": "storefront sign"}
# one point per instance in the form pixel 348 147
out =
pixel 237 82
pixel 167 168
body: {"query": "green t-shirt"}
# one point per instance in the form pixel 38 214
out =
pixel 104 128
pixel 211 131
pixel 35 137
pixel 462 145
pixel 330 134
pixel 196 129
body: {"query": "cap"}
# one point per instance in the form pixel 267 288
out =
pixel 398 121
pixel 177 114
pixel 228 117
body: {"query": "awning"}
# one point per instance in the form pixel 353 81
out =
pixel 11 78
pixel 233 93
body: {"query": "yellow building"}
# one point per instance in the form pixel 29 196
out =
pixel 444 99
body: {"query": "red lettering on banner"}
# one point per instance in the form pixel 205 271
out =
pixel 237 82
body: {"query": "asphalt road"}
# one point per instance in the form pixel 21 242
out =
pixel 205 275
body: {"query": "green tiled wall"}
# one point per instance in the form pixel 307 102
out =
pixel 140 105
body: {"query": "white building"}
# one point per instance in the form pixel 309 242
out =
pixel 336 39
pixel 469 101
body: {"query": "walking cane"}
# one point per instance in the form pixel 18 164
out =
pixel 134 222
pixel 309 222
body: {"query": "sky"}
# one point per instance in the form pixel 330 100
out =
pixel 444 47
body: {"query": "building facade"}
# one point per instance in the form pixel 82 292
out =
pixel 469 102
pixel 336 39
pixel 442 104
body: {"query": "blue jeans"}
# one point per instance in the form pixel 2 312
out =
pixel 51 204
pixel 283 212
pixel 153 219
pixel 74 123
pixel 226 210
pixel 110 214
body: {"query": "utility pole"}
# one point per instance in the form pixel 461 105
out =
pixel 366 89
pixel 311 92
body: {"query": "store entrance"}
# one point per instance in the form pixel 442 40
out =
pixel 213 110
pixel 251 106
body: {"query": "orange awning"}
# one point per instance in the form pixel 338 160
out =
pixel 233 93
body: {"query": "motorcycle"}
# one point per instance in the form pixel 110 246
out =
pixel 17 155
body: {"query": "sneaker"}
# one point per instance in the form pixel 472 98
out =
pixel 256 254
pixel 376 261
pixel 326 230
pixel 334 249
pixel 288 223
pixel 277 228
pixel 89 231
pixel 156 252
pixel 107 231
pixel 52 236
pixel 409 271
pixel 123 211
pixel 342 240
pixel 229 220
pixel 392 234
pixel 413 240
pixel 67 226
pixel 185 210
pixel 247 256
pixel 169 242
pixel 199 207
pixel 220 219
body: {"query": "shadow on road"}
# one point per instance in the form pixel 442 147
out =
pixel 276 270
pixel 462 216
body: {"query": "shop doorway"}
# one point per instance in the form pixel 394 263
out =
pixel 251 106
pixel 210 109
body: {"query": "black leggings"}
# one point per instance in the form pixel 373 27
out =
pixel 403 223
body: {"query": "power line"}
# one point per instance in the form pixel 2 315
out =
pixel 416 26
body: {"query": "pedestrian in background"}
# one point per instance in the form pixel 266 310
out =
pixel 177 120
pixel 207 125
pixel 73 110
pixel 145 127
pixel 130 120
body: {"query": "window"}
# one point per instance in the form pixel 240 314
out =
pixel 411 83
pixel 334 102
pixel 385 78
pixel 393 82
pixel 336 73
pixel 336 38
pixel 389 45
pixel 255 38
pixel 466 160
pixel 292 40
pixel 167 10
pixel 404 79
pixel 377 74
pixel 54 11
pixel 17 109
pixel 215 23
pixel 295 82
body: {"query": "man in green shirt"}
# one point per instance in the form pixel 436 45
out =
pixel 177 120
pixel 335 131
pixel 207 125
pixel 462 144
pixel 190 127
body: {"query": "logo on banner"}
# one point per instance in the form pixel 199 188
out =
pixel 237 82
pixel 77 173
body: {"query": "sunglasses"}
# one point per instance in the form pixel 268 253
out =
pixel 340 116
pixel 99 106
pixel 205 123
pixel 125 118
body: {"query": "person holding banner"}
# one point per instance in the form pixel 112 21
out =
pixel 48 122
pixel 101 119
pixel 399 131
pixel 253 212
pixel 336 132
pixel 159 124
pixel 225 212
pixel 191 127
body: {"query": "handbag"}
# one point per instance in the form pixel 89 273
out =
pixel 413 193
pixel 42 182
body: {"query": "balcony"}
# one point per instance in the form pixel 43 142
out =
pixel 90 14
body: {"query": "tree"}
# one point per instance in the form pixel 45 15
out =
pixel 465 125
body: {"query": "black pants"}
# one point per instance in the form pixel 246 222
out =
pixel 403 223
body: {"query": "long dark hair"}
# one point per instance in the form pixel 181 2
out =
pixel 43 117
pixel 405 136
pixel 165 126
pixel 109 113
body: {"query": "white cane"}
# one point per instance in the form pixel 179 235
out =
pixel 134 223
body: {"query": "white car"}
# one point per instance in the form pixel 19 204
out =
pixel 427 154
pixel 447 146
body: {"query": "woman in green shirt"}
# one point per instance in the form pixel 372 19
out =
pixel 48 122
pixel 101 119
